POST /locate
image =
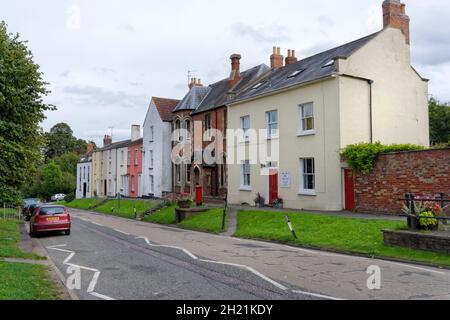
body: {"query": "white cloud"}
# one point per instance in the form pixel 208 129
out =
pixel 103 73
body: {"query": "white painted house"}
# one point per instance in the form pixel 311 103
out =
pixel 84 178
pixel 157 164
pixel 363 91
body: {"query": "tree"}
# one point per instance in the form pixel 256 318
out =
pixel 68 162
pixel 60 140
pixel 51 180
pixel 439 122
pixel 21 110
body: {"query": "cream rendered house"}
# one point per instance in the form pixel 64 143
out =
pixel 364 91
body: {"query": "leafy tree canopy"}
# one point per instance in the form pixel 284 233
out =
pixel 439 122
pixel 22 89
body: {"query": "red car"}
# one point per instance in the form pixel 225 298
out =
pixel 48 218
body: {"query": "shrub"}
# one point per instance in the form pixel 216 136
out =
pixel 362 157
pixel 70 197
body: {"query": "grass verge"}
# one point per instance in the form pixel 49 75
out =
pixel 125 208
pixel 84 204
pixel 10 239
pixel 20 281
pixel 209 221
pixel 361 236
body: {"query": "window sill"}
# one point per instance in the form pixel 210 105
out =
pixel 307 193
pixel 306 133
pixel 247 189
pixel 272 138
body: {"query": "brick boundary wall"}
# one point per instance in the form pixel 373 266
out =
pixel 424 173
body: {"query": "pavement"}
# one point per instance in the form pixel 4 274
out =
pixel 126 259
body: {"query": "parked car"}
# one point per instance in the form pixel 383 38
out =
pixel 48 218
pixel 28 207
pixel 58 197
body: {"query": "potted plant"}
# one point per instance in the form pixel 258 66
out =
pixel 278 203
pixel 424 216
pixel 184 201
pixel 259 200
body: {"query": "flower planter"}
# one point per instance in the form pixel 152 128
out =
pixel 184 204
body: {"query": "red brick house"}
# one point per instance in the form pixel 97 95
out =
pixel 134 164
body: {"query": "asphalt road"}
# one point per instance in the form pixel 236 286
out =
pixel 126 259
pixel 116 265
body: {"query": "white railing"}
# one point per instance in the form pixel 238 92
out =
pixel 11 212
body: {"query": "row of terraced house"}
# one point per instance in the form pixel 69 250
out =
pixel 310 108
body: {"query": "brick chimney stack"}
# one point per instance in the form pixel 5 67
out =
pixel 394 16
pixel 107 140
pixel 291 58
pixel 276 59
pixel 135 132
pixel 89 148
pixel 195 83
pixel 235 74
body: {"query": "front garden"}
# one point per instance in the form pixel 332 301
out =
pixel 347 235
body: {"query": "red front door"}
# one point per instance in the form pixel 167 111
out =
pixel 350 203
pixel 273 186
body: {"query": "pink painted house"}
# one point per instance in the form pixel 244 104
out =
pixel 134 170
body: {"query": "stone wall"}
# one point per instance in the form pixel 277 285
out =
pixel 423 173
pixel 416 240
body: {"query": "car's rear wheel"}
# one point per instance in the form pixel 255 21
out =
pixel 67 232
pixel 32 233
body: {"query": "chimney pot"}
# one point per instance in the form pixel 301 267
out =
pixel 235 74
pixel 276 59
pixel 290 59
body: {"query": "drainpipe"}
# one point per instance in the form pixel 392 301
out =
pixel 370 82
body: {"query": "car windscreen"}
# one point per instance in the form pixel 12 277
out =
pixel 51 211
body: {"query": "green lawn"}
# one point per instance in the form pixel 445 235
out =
pixel 125 208
pixel 163 216
pixel 210 221
pixel 83 204
pixel 20 281
pixel 362 236
pixel 9 241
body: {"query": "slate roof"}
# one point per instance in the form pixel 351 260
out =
pixel 312 68
pixel 218 95
pixel 165 107
pixel 192 99
pixel 116 145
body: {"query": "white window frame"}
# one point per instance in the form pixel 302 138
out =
pixel 303 190
pixel 188 174
pixel 208 130
pixel 136 157
pixel 152 183
pixel 270 134
pixel 152 163
pixel 244 186
pixel 302 119
pixel 178 173
pixel 152 132
pixel 245 134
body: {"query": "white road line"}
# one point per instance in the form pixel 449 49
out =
pixel 276 284
pixel 122 232
pixel 94 280
pixel 101 296
pixel 97 224
pixel 316 295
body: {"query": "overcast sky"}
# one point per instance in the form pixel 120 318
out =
pixel 104 67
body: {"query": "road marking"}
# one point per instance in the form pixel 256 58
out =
pixel 316 295
pixel 94 280
pixel 97 224
pixel 276 284
pixel 122 232
pixel 187 252
pixel 101 296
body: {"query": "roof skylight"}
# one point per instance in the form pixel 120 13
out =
pixel 256 86
pixel 295 73
pixel 328 64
